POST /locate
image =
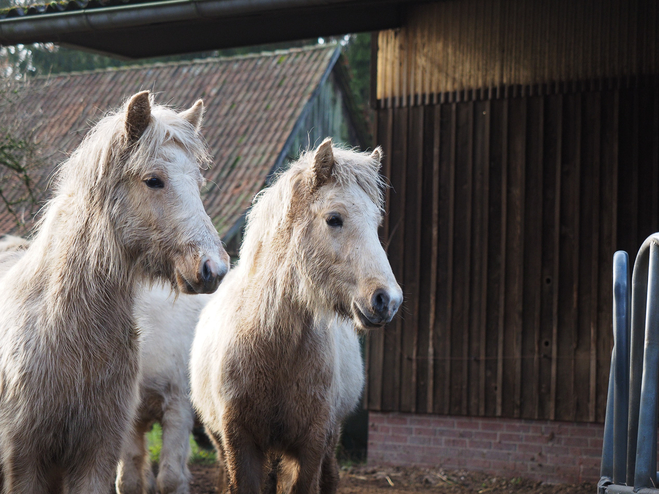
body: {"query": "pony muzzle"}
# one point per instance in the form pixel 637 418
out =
pixel 380 309
pixel 206 277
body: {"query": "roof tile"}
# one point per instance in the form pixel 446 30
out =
pixel 252 103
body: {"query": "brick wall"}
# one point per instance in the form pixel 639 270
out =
pixel 540 450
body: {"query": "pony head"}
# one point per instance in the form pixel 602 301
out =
pixel 140 169
pixel 325 212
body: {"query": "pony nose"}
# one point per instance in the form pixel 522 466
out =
pixel 384 305
pixel 210 274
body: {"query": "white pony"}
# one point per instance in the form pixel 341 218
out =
pixel 166 323
pixel 126 210
pixel 275 364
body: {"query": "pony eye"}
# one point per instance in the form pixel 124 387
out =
pixel 154 183
pixel 334 220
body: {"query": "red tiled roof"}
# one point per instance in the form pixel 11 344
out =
pixel 252 104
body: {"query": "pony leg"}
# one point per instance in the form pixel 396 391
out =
pixel 177 423
pixel 93 469
pixel 329 475
pixel 134 465
pixel 20 474
pixel 310 460
pixel 244 461
pixel 222 481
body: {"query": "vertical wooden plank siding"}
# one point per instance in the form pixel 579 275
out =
pixel 532 269
pixel 503 217
pixel 391 381
pixel 375 342
pixel 455 46
pixel 412 238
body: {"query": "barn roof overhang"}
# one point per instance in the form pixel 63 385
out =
pixel 149 29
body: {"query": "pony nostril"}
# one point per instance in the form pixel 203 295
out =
pixel 206 271
pixel 380 301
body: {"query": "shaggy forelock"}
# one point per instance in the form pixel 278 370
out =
pixel 106 147
pixel 271 206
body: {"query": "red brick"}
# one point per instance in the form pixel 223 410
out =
pixel 535 439
pixel 425 431
pixel 477 464
pixel 573 441
pixel 591 452
pixel 422 440
pixel 402 430
pixel 376 418
pixel 595 442
pixel 417 421
pixel 455 443
pixel 476 444
pixel 397 439
pixel 396 420
pixel 443 422
pixel 511 427
pixel 438 441
pixel 590 462
pixel 504 446
pixel 486 436
pixel 560 460
pixel 552 449
pixel 507 437
pixel 490 425
pixel 497 455
pixel 467 425
pixel 581 431
pixel 453 433
pixel 529 448
pixel 376 438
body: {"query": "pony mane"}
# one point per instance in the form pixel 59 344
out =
pixel 270 208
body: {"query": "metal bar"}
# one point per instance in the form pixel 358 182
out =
pixel 621 369
pixel 606 467
pixel 646 454
pixel 638 308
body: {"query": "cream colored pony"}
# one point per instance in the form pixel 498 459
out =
pixel 275 364
pixel 126 209
pixel 166 323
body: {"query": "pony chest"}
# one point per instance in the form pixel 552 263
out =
pixel 269 373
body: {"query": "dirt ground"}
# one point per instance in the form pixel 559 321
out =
pixel 394 480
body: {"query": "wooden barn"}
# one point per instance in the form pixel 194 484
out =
pixel 522 144
pixel 261 111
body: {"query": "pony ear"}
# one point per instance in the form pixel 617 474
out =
pixel 195 114
pixel 138 115
pixel 323 164
pixel 377 154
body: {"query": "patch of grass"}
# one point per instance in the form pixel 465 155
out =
pixel 198 456
pixel 154 442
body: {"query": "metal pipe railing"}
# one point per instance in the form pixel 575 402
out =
pixel 629 451
pixel 646 452
pixel 638 308
pixel 621 368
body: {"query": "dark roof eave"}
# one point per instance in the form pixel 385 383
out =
pixel 174 25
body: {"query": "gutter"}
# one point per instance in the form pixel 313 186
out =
pixel 49 26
